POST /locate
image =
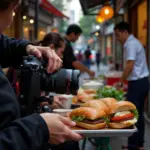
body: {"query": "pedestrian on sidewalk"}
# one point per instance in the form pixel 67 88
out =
pixel 87 57
pixel 80 57
pixel 136 72
pixel 98 60
pixel 69 60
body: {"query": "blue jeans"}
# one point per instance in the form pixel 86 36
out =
pixel 88 63
pixel 137 93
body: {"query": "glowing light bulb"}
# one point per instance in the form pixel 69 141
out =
pixel 106 11
pixel 31 21
pixel 14 14
pixel 97 34
pixel 24 17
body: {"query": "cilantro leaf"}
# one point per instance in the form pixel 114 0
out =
pixel 78 118
pixel 135 112
pixel 106 119
pixel 110 92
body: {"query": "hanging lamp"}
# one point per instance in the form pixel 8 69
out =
pixel 99 19
pixel 106 11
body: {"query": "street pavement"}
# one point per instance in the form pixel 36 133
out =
pixel 115 142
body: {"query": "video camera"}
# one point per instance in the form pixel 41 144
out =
pixel 35 79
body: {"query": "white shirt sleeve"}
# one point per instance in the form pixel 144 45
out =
pixel 131 51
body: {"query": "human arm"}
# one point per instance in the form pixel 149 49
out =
pixel 131 52
pixel 12 52
pixel 58 102
pixel 128 69
pixel 82 68
pixel 54 102
pixel 35 131
pixel 29 133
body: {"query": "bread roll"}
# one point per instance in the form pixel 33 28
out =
pixel 123 124
pixel 88 112
pixel 121 106
pixel 90 91
pixel 109 101
pixel 91 126
pixel 85 97
pixel 97 104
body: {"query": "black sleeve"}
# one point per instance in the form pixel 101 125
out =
pixel 29 133
pixel 69 56
pixel 12 51
pixel 9 107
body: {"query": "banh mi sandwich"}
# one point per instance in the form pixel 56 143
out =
pixel 80 92
pixel 85 97
pixel 122 114
pixel 89 91
pixel 89 118
pixel 97 104
pixel 108 101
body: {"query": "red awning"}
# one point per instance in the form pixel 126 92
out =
pixel 50 8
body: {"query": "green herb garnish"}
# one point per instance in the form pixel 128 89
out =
pixel 135 112
pixel 77 118
pixel 107 120
pixel 110 92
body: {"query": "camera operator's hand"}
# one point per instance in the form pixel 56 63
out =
pixel 58 102
pixel 54 62
pixel 59 128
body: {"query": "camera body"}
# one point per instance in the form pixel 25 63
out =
pixel 34 79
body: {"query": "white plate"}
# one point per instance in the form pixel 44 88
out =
pixel 107 132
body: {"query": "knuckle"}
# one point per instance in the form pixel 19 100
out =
pixel 62 140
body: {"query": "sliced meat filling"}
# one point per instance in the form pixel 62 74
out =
pixel 96 121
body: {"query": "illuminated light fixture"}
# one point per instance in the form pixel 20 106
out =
pixel 97 34
pixel 14 14
pixel 26 29
pixel 99 19
pixel 107 12
pixel 31 21
pixel 24 17
pixel 42 32
pixel 97 27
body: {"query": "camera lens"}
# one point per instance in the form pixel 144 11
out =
pixel 64 81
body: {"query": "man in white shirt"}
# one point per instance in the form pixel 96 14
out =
pixel 136 72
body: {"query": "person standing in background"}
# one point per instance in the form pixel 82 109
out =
pixel 136 71
pixel 98 60
pixel 87 57
pixel 69 60
pixel 80 57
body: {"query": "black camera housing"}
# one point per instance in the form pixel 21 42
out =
pixel 34 79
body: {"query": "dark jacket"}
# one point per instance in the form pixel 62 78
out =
pixel 28 133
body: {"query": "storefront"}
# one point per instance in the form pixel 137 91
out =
pixel 138 15
pixel 109 39
pixel 24 20
pixel 44 24
pixel 142 22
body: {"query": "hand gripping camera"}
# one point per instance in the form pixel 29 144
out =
pixel 35 79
